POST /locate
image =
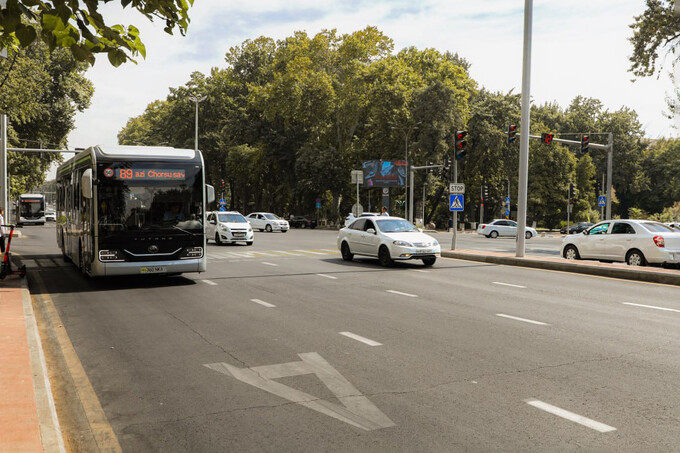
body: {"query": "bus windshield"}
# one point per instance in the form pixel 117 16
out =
pixel 31 207
pixel 149 197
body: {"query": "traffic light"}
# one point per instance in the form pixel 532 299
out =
pixel 547 138
pixel 485 192
pixel 430 170
pixel 459 144
pixel 446 170
pixel 571 192
pixel 585 141
pixel 512 132
pixel 222 184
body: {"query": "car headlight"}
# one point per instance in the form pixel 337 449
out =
pixel 435 242
pixel 403 243
pixel 224 228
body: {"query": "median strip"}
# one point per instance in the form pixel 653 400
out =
pixel 263 303
pixel 530 321
pixel 581 420
pixel 360 338
pixel 400 293
pixel 652 306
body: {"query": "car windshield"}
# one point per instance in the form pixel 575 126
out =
pixel 231 218
pixel 654 227
pixel 272 217
pixel 395 226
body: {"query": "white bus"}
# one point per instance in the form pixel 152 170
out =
pixel 128 210
pixel 30 209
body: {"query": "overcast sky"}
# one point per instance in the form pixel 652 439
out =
pixel 580 47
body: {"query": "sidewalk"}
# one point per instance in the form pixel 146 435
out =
pixel 619 270
pixel 28 421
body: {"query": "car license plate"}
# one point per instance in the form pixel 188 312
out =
pixel 239 235
pixel 153 270
pixel 426 251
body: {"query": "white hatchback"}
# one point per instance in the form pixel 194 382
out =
pixel 635 242
pixel 266 221
pixel 229 227
pixel 388 238
pixel 502 227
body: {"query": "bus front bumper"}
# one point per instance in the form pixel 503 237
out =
pixel 149 267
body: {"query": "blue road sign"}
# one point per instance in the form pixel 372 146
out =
pixel 602 200
pixel 507 213
pixel 507 201
pixel 456 202
pixel 222 202
pixel 318 205
pixel 223 208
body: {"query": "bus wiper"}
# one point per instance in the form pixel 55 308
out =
pixel 183 230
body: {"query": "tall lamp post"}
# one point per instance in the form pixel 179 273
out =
pixel 197 100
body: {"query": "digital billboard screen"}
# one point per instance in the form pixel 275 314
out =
pixel 385 173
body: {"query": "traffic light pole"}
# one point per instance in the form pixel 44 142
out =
pixel 455 213
pixel 610 164
pixel 523 183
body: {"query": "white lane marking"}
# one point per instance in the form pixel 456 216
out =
pixel 360 338
pixel 269 264
pixel 241 255
pixel 539 323
pixel 508 284
pixel 209 282
pixel 581 420
pixel 263 303
pixel 419 270
pixel 400 293
pixel 263 253
pixel 354 408
pixel 327 276
pixel 287 253
pixel 652 306
pixel 310 251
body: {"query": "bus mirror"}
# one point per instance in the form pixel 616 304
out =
pixel 209 193
pixel 86 183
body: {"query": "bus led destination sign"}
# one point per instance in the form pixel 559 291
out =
pixel 146 174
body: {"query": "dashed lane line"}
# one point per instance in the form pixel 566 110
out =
pixel 530 321
pixel 652 306
pixel 263 303
pixel 581 420
pixel 209 282
pixel 327 276
pixel 311 252
pixel 509 284
pixel 269 264
pixel 400 293
pixel 360 338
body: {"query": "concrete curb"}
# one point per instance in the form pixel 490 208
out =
pixel 668 277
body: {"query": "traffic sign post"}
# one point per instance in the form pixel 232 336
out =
pixel 456 202
pixel 602 200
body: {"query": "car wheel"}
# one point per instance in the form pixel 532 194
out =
pixel 284 231
pixel 347 255
pixel 384 257
pixel 635 258
pixel 260 230
pixel 571 253
pixel 303 226
pixel 218 241
pixel 268 228
pixel 493 234
pixel 429 261
pixel 249 242
pixel 528 235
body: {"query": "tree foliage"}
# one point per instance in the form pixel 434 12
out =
pixel 655 31
pixel 80 27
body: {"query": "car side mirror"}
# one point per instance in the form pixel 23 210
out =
pixel 586 232
pixel 86 183
pixel 420 230
pixel 213 222
pixel 370 231
pixel 209 193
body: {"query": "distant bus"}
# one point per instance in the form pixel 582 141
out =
pixel 30 209
pixel 127 210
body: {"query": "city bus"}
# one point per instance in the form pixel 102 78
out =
pixel 130 210
pixel 30 209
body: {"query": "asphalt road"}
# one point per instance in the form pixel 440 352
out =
pixel 459 357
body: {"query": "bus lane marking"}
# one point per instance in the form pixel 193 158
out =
pixel 356 409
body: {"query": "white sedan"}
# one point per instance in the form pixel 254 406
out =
pixel 389 239
pixel 635 242
pixel 502 227
pixel 228 227
pixel 266 221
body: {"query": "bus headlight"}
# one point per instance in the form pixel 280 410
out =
pixel 192 252
pixel 110 255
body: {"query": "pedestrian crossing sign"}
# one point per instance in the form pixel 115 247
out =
pixel 456 202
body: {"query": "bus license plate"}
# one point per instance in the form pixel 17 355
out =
pixel 153 270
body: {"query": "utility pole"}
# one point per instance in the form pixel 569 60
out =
pixel 602 192
pixel 610 164
pixel 423 215
pixel 524 132
pixel 455 213
pixel 481 203
pixel 4 177
pixel 197 99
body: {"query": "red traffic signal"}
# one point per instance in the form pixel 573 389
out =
pixel 547 138
pixel 585 141
pixel 512 132
pixel 460 143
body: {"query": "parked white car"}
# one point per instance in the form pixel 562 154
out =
pixel 502 227
pixel 266 221
pixel 389 239
pixel 229 227
pixel 50 216
pixel 636 242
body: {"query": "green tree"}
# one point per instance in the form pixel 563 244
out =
pixel 655 31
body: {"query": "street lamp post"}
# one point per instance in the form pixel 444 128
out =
pixel 197 100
